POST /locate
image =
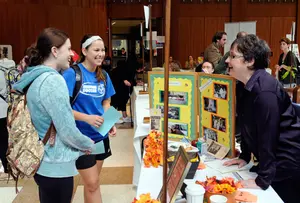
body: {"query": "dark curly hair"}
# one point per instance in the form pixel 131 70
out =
pixel 218 36
pixel 253 48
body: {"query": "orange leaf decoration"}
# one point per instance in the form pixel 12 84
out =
pixel 223 186
pixel 154 150
pixel 145 198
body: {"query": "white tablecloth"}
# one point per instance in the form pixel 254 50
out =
pixel 140 107
pixel 151 182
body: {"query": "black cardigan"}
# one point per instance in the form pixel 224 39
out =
pixel 290 60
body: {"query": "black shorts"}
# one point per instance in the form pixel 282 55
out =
pixel 88 161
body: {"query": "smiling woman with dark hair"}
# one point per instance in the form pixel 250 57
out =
pixel 90 103
pixel 270 128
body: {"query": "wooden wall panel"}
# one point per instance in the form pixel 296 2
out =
pixel 193 25
pixel 263 27
pixel 212 25
pixel 135 11
pixel 190 42
pixel 22 20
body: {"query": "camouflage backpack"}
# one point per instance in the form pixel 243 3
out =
pixel 25 149
pixel 10 76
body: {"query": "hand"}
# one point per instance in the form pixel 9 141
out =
pixel 87 152
pixel 239 162
pixel 277 67
pixel 205 70
pixel 284 67
pixel 250 184
pixel 113 131
pixel 94 120
pixel 127 83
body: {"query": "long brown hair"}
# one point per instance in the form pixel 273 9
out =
pixel 46 40
pixel 99 72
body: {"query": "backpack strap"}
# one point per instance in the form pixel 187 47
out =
pixel 78 83
pixel 51 133
pixel 2 97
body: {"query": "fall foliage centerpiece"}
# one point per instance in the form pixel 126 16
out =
pixel 225 186
pixel 145 198
pixel 153 149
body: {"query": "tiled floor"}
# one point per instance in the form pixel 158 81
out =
pixel 115 179
pixel 110 194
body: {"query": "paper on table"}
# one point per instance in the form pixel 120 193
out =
pixel 218 165
pixel 98 148
pixel 111 116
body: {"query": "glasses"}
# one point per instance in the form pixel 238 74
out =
pixel 235 56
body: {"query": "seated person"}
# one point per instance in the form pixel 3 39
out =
pixel 190 64
pixel 206 67
pixel 173 65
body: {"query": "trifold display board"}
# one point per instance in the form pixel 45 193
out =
pixel 182 102
pixel 209 97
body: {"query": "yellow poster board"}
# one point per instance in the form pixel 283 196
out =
pixel 182 102
pixel 217 109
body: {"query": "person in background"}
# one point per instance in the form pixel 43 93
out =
pixel 123 52
pixel 120 99
pixel 173 65
pixel 74 58
pixel 221 68
pixel 200 60
pixel 206 67
pixel 48 101
pixel 170 61
pixel 270 127
pixel 3 124
pixel 106 64
pixel 92 101
pixel 286 60
pixel 190 64
pixel 21 67
pixel 4 61
pixel 126 83
pixel 212 52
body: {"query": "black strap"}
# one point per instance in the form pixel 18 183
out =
pixel 2 97
pixel 78 83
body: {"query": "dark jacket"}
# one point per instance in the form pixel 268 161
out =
pixel 212 54
pixel 290 60
pixel 270 129
pixel 221 68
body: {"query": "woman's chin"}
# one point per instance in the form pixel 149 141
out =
pixel 231 73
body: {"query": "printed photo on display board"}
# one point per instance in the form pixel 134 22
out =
pixel 210 134
pixel 218 123
pixel 178 128
pixel 216 96
pixel 174 112
pixel 220 91
pixel 182 96
pixel 210 105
